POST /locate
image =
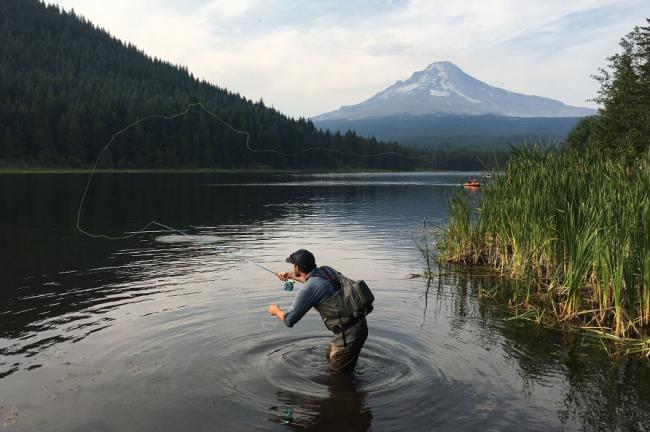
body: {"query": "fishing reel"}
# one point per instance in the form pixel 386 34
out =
pixel 288 285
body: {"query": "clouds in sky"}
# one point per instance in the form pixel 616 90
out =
pixel 307 57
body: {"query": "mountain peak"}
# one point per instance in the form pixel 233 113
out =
pixel 443 88
pixel 441 66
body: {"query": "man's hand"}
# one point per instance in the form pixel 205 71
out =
pixel 283 276
pixel 274 310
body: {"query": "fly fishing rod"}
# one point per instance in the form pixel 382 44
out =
pixel 288 285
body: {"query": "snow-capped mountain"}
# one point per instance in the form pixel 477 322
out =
pixel 443 88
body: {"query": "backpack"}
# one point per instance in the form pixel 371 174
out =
pixel 357 297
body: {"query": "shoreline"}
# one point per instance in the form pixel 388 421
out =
pixel 7 171
pixel 136 171
pixel 538 309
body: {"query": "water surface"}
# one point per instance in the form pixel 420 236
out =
pixel 160 333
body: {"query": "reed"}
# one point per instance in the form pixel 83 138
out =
pixel 571 228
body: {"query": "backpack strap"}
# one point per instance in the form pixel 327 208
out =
pixel 329 274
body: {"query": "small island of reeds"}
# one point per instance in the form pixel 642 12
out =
pixel 570 226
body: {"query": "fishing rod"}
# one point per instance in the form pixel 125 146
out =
pixel 288 285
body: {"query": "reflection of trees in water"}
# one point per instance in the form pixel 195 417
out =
pixel 344 409
pixel 39 295
pixel 607 395
pixel 602 392
pixel 461 306
pixel 40 213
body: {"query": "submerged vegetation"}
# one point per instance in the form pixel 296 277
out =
pixel 571 226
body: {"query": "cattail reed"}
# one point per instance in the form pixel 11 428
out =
pixel 575 224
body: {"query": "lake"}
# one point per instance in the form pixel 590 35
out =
pixel 165 332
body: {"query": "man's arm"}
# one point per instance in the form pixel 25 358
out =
pixel 306 297
pixel 274 309
pixel 284 276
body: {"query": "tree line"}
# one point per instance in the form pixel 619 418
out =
pixel 67 86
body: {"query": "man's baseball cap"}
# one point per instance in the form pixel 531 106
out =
pixel 302 258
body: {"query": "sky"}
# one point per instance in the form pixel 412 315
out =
pixel 307 57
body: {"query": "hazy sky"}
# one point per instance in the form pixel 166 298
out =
pixel 308 57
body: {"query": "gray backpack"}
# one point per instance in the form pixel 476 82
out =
pixel 357 297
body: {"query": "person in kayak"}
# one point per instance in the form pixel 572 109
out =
pixel 322 291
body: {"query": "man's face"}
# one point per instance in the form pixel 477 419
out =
pixel 296 270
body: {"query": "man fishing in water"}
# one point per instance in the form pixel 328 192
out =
pixel 323 289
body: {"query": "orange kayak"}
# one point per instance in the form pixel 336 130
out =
pixel 471 184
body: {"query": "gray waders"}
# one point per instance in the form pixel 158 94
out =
pixel 349 334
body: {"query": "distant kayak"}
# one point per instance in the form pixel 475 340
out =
pixel 472 184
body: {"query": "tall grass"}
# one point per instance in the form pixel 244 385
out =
pixel 575 224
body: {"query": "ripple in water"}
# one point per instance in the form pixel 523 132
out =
pixel 297 366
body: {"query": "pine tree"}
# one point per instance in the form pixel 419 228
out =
pixel 623 124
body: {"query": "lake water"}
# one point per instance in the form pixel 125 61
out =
pixel 160 333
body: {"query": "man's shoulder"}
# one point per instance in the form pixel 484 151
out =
pixel 329 269
pixel 321 277
pixel 325 272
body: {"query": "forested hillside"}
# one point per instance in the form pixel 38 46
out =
pixel 458 131
pixel 68 86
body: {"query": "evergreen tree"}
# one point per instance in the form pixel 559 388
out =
pixel 622 126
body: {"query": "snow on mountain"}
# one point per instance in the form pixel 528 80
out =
pixel 443 88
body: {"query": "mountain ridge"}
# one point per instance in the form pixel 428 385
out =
pixel 444 88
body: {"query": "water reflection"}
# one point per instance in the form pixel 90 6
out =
pixel 344 409
pixel 595 390
pixel 155 324
pixel 57 276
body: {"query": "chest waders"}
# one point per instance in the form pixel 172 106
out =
pixel 331 311
pixel 334 311
pixel 344 313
